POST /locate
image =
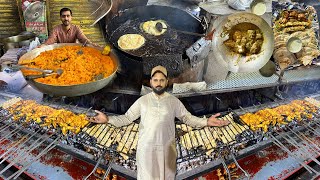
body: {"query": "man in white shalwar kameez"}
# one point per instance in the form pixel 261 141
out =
pixel 156 151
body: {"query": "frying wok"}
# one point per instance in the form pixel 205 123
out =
pixel 71 90
pixel 169 43
pixel 238 63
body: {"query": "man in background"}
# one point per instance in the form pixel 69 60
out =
pixel 66 32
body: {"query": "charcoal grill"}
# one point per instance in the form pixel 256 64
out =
pixel 198 150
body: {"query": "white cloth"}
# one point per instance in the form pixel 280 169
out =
pixel 159 2
pixel 156 151
pixel 189 86
pixel 14 80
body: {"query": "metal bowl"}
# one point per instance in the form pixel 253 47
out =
pixel 72 90
pixel 17 41
pixel 236 62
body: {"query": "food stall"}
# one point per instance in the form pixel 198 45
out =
pixel 274 115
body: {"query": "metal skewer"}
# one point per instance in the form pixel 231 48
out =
pixel 306 143
pixel 301 149
pixel 99 160
pixel 302 136
pixel 109 167
pixel 310 128
pixel 224 165
pixel 22 150
pixel 47 149
pixel 11 133
pixel 9 151
pixel 236 162
pixel 5 127
pixel 301 161
pixel 21 155
pixel 97 165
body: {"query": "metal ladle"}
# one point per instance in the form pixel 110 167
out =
pixel 58 72
pixel 80 52
pixel 14 66
pixel 208 36
pixel 269 69
pixel 160 27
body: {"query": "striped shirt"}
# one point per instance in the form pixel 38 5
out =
pixel 59 35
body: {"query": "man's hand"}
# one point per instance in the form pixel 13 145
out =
pixel 100 118
pixel 213 121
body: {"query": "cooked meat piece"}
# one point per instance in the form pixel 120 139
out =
pixel 243 41
pixel 292 20
pixel 251 34
pixel 240 49
pixel 293 14
pixel 255 48
pixel 237 35
pixel 293 29
pixel 249 44
pixel 285 14
pixel 230 43
pixel 258 34
pixel 297 23
pixel 283 20
pixel 302 17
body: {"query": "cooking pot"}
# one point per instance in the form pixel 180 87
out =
pixel 69 90
pixel 237 63
pixel 17 41
pixel 170 43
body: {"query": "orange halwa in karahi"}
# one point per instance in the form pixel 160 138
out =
pixel 78 68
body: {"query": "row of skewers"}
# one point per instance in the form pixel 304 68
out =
pixel 207 141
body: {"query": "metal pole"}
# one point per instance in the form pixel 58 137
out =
pixel 47 149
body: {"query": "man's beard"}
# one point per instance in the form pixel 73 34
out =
pixel 158 90
pixel 66 23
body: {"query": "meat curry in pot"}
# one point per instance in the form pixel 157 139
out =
pixel 245 39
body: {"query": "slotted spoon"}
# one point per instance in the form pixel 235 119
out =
pixel 80 52
pixel 208 36
pixel 14 66
pixel 98 77
pixel 58 72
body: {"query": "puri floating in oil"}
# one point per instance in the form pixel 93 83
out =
pixel 245 39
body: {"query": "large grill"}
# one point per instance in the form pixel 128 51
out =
pixel 110 147
pixel 191 143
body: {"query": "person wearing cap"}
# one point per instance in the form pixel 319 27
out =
pixel 156 151
pixel 66 32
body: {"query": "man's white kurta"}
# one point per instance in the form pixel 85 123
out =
pixel 156 151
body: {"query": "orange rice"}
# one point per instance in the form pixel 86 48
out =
pixel 77 68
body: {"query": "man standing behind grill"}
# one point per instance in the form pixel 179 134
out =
pixel 156 151
pixel 66 32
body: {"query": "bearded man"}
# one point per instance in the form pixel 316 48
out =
pixel 156 151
